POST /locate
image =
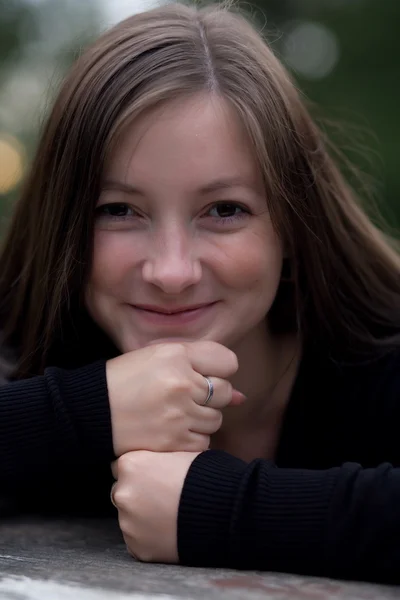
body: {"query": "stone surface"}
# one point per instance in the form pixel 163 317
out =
pixel 87 560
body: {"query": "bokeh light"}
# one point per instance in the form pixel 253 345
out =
pixel 343 55
pixel 11 163
pixel 311 49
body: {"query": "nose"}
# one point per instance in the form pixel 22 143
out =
pixel 172 264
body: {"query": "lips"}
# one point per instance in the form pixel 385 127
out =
pixel 157 316
pixel 171 311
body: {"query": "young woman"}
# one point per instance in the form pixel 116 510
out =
pixel 189 286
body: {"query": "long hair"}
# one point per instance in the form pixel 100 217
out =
pixel 344 288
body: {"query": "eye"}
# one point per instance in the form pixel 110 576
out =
pixel 228 211
pixel 115 210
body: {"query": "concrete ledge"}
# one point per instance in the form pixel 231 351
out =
pixel 80 559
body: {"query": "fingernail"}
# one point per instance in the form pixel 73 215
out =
pixel 238 397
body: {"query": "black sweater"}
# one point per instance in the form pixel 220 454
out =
pixel 329 505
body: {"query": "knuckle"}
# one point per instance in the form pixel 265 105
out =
pixel 218 419
pixel 174 439
pixel 122 497
pixel 126 463
pixel 178 349
pixel 175 417
pixel 233 361
pixel 171 350
pixel 227 391
pixel 176 384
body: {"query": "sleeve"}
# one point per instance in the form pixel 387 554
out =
pixel 342 522
pixel 52 423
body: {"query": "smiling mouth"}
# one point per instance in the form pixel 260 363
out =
pixel 168 314
pixel 182 317
pixel 162 311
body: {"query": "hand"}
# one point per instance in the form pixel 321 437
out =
pixel 147 496
pixel 156 395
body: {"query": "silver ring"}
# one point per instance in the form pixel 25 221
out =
pixel 210 390
pixel 112 494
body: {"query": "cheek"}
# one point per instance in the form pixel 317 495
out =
pixel 114 258
pixel 252 264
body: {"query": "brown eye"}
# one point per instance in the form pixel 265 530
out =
pixel 116 210
pixel 226 209
pixel 225 212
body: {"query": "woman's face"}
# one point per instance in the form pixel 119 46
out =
pixel 181 223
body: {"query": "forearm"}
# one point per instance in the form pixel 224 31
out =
pixel 342 522
pixel 53 422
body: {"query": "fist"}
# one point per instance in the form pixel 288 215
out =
pixel 147 495
pixel 157 394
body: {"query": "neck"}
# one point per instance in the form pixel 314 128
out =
pixel 267 369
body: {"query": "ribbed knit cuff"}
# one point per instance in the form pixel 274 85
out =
pixel 283 517
pixel 205 509
pixel 254 516
pixel 85 396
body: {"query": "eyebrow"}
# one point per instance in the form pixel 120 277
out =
pixel 213 186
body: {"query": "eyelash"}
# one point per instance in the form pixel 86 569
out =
pixel 225 220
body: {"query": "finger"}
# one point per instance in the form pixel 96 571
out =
pixel 237 398
pixel 197 442
pixel 205 357
pixel 221 395
pixel 210 358
pixel 112 491
pixel 208 421
pixel 114 469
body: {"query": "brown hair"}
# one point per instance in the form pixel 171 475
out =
pixel 345 285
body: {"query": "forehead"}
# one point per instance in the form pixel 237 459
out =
pixel 193 138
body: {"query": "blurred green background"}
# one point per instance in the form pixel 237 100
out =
pixel 344 55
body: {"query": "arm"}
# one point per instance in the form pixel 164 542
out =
pixel 341 519
pixel 342 522
pixel 60 432
pixel 52 423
